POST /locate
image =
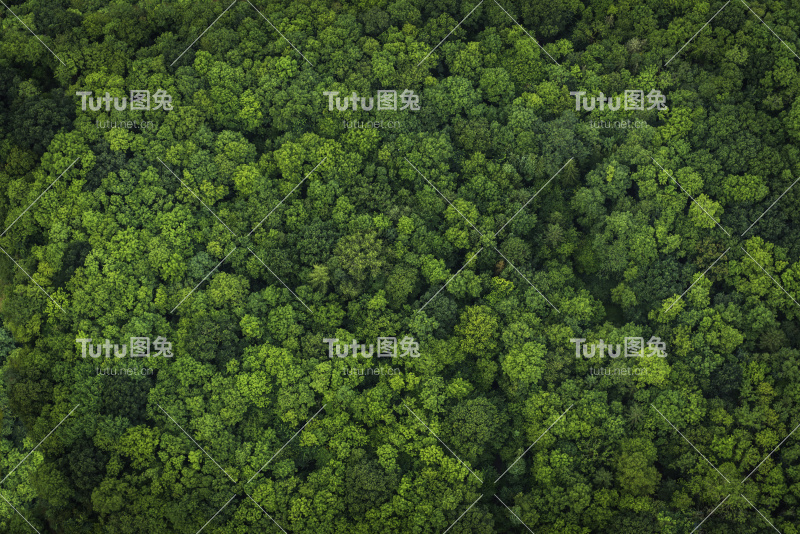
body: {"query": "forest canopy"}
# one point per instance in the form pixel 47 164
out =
pixel 376 266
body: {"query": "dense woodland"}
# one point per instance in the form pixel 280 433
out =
pixel 248 224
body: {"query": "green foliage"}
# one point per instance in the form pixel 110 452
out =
pixel 251 225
